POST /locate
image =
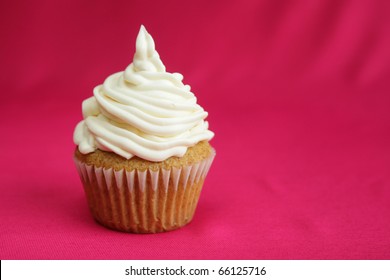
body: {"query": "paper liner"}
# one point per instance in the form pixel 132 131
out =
pixel 143 201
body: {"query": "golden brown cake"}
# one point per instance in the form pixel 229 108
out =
pixel 141 196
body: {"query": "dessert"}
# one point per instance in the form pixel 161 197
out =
pixel 143 147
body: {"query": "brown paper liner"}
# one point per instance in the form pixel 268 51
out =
pixel 143 201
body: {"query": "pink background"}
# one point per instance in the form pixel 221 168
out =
pixel 297 94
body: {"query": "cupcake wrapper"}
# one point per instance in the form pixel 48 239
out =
pixel 143 201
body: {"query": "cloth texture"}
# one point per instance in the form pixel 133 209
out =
pixel 298 95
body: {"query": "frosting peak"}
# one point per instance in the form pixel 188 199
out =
pixel 143 111
pixel 146 58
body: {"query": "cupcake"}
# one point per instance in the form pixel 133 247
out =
pixel 143 149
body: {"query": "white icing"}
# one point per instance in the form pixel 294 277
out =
pixel 143 111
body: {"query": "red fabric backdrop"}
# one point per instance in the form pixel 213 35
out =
pixel 297 94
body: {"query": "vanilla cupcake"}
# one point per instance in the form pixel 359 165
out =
pixel 143 151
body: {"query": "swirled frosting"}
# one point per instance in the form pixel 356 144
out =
pixel 143 111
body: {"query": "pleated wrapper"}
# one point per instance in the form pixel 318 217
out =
pixel 143 201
